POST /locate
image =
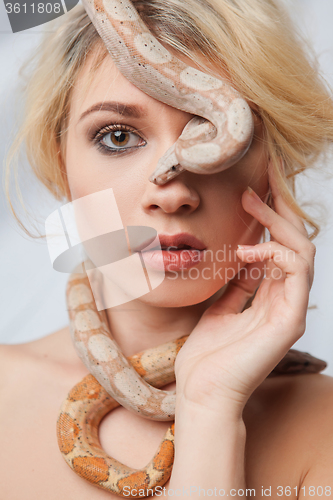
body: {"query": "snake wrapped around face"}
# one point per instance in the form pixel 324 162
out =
pixel 216 138
pixel 221 131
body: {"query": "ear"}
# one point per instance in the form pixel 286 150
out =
pixel 269 200
pixel 281 167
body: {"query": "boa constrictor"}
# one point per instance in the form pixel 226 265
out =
pixel 222 130
pixel 114 380
pixel 218 136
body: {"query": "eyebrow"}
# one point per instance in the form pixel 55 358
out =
pixel 128 110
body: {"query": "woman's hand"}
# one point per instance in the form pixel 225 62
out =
pixel 229 352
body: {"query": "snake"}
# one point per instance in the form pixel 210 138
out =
pixel 221 131
pixel 115 379
pixel 219 135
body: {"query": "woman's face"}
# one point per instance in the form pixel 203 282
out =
pixel 116 135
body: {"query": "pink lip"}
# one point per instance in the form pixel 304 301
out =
pixel 172 258
pixel 172 240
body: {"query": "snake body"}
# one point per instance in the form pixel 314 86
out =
pixel 77 431
pixel 218 136
pixel 101 355
pixel 222 130
pixel 100 392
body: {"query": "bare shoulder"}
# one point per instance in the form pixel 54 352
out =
pixel 315 401
pixel 290 438
pixel 9 358
pixel 46 356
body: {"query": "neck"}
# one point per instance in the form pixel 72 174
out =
pixel 136 325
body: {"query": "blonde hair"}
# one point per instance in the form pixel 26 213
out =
pixel 254 41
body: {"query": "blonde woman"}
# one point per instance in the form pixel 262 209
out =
pixel 235 429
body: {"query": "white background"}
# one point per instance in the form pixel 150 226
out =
pixel 32 295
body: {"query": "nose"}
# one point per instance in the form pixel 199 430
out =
pixel 175 197
pixel 179 195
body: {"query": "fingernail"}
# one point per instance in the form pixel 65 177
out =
pixel 254 195
pixel 244 247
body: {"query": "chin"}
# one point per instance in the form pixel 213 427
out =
pixel 176 294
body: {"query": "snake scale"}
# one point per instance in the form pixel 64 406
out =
pixel 113 380
pixel 222 129
pixel 218 136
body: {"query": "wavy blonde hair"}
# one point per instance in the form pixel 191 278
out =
pixel 253 41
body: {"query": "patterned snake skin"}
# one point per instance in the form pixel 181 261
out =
pixel 114 380
pixel 217 137
pixel 222 130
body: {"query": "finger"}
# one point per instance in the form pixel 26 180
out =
pixel 281 229
pixel 271 271
pixel 280 205
pixel 240 289
pixel 297 270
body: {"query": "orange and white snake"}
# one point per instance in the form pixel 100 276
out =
pixel 217 137
pixel 114 380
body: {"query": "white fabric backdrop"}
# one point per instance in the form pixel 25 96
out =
pixel 32 301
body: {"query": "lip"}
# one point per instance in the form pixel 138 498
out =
pixel 172 260
pixel 171 240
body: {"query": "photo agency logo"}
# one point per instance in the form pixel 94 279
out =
pixel 21 15
pixel 87 236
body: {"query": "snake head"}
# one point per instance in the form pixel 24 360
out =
pixel 167 168
pixel 173 162
pixel 198 150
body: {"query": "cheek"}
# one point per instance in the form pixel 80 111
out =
pixel 84 172
pixel 223 197
pixel 89 171
pixel 87 175
pixel 79 176
pixel 228 223
pixel 249 171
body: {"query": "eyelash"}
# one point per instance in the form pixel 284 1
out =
pixel 110 129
